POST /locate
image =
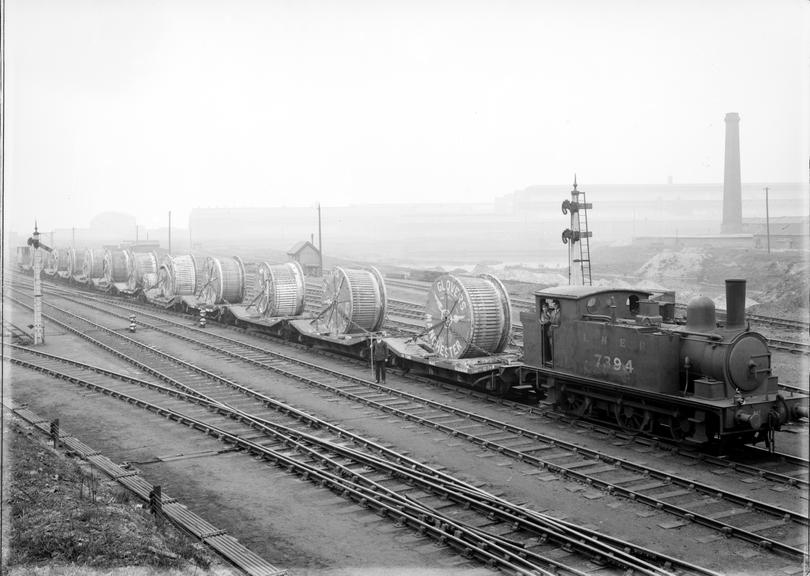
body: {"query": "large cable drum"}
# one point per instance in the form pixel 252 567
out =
pixel 177 275
pixel 149 280
pixel 280 289
pixel 62 260
pixel 25 257
pixel 141 264
pixel 93 263
pixel 467 316
pixel 354 300
pixel 50 262
pixel 116 265
pixel 224 281
pixel 75 261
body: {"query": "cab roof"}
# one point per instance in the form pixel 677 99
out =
pixel 579 292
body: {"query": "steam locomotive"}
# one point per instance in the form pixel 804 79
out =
pixel 619 356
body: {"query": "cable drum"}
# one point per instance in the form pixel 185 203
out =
pixel 224 281
pixel 467 316
pixel 50 262
pixel 199 273
pixel 354 300
pixel 62 257
pixel 149 280
pixel 141 264
pixel 25 257
pixel 280 289
pixel 116 266
pixel 75 261
pixel 93 263
pixel 177 275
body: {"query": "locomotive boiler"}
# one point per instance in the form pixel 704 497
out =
pixel 616 355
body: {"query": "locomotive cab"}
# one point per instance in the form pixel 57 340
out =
pixel 606 333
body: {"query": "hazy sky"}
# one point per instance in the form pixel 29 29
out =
pixel 147 106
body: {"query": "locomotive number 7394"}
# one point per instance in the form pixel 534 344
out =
pixel 608 362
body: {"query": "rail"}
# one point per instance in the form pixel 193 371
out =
pixel 323 462
pixel 526 455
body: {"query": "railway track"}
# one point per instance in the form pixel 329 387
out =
pixel 476 523
pixel 691 501
pixel 789 346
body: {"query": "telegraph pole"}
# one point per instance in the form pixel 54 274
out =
pixel 767 220
pixel 320 245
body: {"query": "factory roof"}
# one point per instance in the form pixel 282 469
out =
pixel 579 292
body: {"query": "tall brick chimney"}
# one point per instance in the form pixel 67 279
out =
pixel 732 181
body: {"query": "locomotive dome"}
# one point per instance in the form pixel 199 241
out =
pixel 700 314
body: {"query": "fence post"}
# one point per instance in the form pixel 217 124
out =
pixel 55 433
pixel 156 503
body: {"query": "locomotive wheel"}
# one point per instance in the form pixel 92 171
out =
pixel 577 404
pixel 632 419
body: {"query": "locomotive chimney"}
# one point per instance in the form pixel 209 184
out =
pixel 735 304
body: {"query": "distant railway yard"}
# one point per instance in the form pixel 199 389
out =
pixel 288 457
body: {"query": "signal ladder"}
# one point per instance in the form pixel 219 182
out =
pixel 578 236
